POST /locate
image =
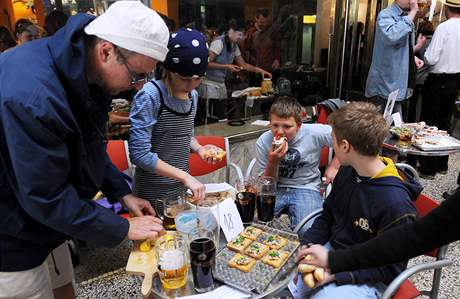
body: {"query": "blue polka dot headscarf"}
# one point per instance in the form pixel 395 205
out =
pixel 188 53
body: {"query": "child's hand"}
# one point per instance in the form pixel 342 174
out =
pixel 319 255
pixel 210 153
pixel 197 188
pixel 278 153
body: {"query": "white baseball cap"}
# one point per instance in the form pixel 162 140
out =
pixel 133 26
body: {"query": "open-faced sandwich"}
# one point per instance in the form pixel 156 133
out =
pixel 275 241
pixel 256 250
pixel 215 153
pixel 275 258
pixel 251 232
pixel 278 140
pixel 239 243
pixel 242 262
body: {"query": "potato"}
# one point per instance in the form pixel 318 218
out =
pixel 319 274
pixel 306 268
pixel 309 280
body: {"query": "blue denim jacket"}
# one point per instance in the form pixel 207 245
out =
pixel 390 60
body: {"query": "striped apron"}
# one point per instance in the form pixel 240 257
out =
pixel 171 136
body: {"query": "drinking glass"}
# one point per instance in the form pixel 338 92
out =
pixel 167 209
pixel 266 198
pixel 208 217
pixel 422 4
pixel 202 260
pixel 172 256
pixel 246 199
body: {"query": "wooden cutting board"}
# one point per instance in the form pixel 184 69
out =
pixel 142 263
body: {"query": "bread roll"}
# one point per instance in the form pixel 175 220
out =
pixel 306 268
pixel 309 280
pixel 319 274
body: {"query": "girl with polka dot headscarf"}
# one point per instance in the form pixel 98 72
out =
pixel 162 121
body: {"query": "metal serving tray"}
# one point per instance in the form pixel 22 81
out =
pixel 260 276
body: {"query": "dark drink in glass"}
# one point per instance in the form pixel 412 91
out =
pixel 246 204
pixel 202 259
pixel 169 223
pixel 266 207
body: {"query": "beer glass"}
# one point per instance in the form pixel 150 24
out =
pixel 246 199
pixel 169 207
pixel 202 260
pixel 172 256
pixel 422 4
pixel 266 198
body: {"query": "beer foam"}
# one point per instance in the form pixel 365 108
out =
pixel 171 260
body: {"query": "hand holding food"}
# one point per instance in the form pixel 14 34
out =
pixel 312 275
pixel 278 140
pixel 211 153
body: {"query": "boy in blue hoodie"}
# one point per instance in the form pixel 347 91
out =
pixel 368 197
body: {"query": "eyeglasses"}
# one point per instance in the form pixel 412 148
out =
pixel 136 78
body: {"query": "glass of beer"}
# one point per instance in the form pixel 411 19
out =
pixel 172 256
pixel 422 4
pixel 170 207
pixel 266 198
pixel 246 199
pixel 202 260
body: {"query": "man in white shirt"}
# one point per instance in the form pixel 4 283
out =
pixel 441 87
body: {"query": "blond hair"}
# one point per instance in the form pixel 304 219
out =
pixel 285 107
pixel 362 125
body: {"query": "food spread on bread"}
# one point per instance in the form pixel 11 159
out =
pixel 215 153
pixel 278 140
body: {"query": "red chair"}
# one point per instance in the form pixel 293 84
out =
pixel 119 155
pixel 198 167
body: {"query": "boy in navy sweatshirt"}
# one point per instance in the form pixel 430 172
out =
pixel 368 197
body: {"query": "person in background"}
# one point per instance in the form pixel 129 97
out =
pixel 437 228
pixel 441 87
pixel 54 21
pixel 162 117
pixel 368 197
pixel 264 45
pixel 224 58
pixel 295 163
pixel 27 31
pixel 393 64
pixel 53 146
pixel 6 39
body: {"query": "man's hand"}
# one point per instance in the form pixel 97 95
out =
pixel 205 148
pixel 413 6
pixel 137 206
pixel 421 41
pixel 197 188
pixel 233 68
pixel 419 63
pixel 275 65
pixel 144 227
pixel 265 74
pixel 328 277
pixel 319 255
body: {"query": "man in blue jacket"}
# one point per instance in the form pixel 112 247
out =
pixel 393 62
pixel 54 98
pixel 368 197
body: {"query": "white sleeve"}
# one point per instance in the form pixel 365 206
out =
pixel 216 46
pixel 433 53
pixel 237 51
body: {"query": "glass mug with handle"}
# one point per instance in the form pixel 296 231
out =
pixel 172 256
pixel 167 209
